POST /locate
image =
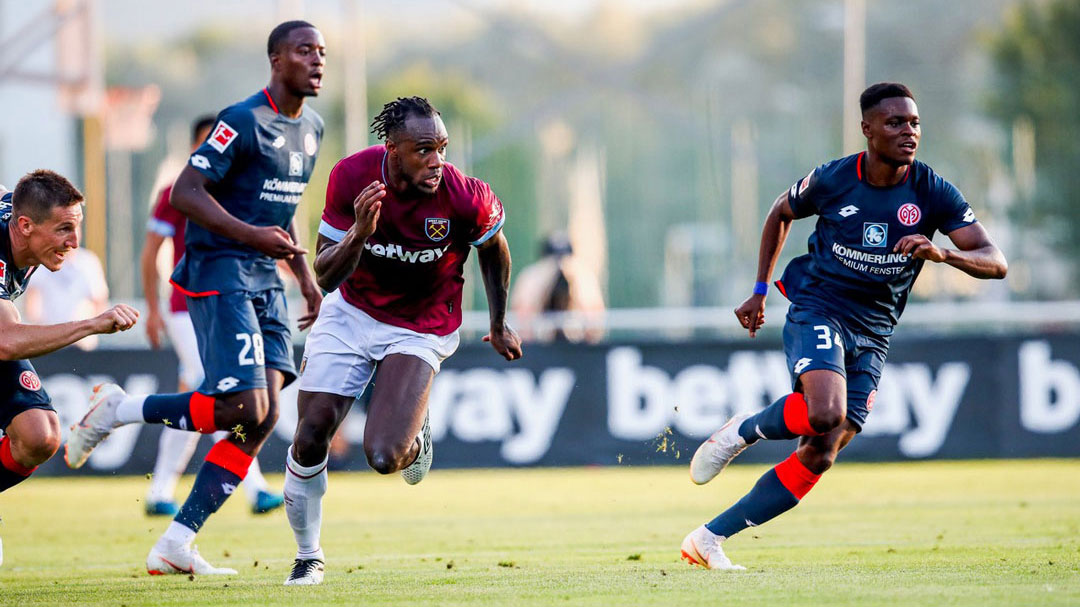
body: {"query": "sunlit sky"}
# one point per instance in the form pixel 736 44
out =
pixel 134 20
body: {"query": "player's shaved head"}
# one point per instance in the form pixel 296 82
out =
pixel 281 33
pixel 38 193
pixel 391 120
pixel 876 93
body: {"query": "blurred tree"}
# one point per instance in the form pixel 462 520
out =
pixel 1037 55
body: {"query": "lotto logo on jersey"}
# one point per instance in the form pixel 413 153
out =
pixel 222 137
pixel 875 234
pixel 909 214
pixel 969 216
pixel 30 381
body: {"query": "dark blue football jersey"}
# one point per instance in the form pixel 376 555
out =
pixel 851 270
pixel 258 163
pixel 13 280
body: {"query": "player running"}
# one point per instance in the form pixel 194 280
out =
pixel 877 212
pixel 395 233
pixel 239 191
pixel 175 447
pixel 39 226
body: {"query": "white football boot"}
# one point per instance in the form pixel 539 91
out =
pixel 416 471
pixel 717 452
pixel 306 572
pixel 702 548
pixel 95 426
pixel 166 558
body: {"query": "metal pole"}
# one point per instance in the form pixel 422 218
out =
pixel 355 60
pixel 854 72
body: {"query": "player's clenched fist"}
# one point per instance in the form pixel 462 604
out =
pixel 120 317
pixel 919 247
pixel 367 206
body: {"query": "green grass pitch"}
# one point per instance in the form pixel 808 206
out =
pixel 952 533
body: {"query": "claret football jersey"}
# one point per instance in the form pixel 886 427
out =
pixel 410 272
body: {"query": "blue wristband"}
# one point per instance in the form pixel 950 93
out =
pixel 761 288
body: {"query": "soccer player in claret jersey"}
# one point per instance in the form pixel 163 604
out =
pixel 39 226
pixel 877 213
pixel 395 233
pixel 239 192
pixel 175 446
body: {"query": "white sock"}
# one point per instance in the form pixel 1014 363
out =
pixel 175 448
pixel 304 488
pixel 177 535
pixel 129 411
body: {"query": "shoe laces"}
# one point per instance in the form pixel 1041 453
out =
pixel 303 568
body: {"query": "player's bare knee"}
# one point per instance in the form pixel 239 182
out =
pixel 37 449
pixel 815 459
pixel 386 459
pixel 825 417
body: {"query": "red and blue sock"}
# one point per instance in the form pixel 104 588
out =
pixel 776 492
pixel 225 467
pixel 784 419
pixel 11 472
pixel 190 411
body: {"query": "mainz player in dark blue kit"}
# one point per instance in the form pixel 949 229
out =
pixel 39 226
pixel 877 212
pixel 239 192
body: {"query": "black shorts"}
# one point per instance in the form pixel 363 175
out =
pixel 20 390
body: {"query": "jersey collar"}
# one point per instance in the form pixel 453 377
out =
pixel 858 171
pixel 271 100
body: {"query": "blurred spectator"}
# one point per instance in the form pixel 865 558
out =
pixel 74 292
pixel 557 298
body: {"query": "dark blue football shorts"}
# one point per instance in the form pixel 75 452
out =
pixel 240 335
pixel 20 390
pixel 815 340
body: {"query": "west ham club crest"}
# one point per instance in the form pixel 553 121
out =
pixel 436 228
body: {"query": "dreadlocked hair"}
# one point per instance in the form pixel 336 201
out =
pixel 392 117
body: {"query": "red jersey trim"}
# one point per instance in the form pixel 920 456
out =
pixel 271 100
pixel 192 293
pixel 858 169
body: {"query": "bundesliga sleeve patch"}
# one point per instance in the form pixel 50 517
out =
pixel 222 137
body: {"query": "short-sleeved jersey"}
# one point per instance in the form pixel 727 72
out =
pixel 13 280
pixel 410 272
pixel 851 269
pixel 166 221
pixel 258 163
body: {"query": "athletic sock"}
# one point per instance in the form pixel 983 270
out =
pixel 784 419
pixel 776 492
pixel 254 482
pixel 189 411
pixel 224 468
pixel 11 472
pixel 175 448
pixel 304 488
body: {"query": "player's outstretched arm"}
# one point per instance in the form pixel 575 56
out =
pixel 334 261
pixel 751 313
pixel 27 341
pixel 494 257
pixel 190 197
pixel 977 254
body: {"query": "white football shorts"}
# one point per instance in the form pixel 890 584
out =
pixel 345 344
pixel 182 335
